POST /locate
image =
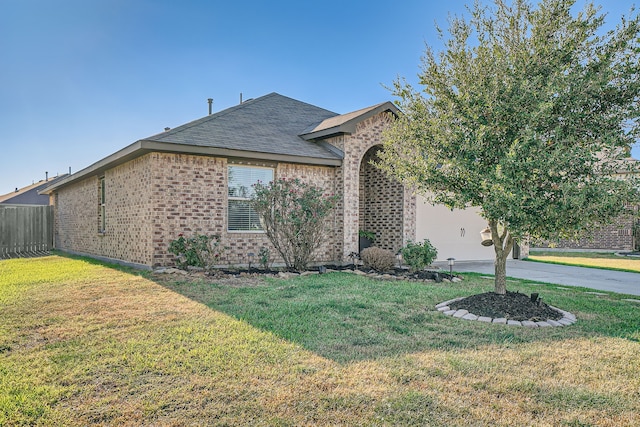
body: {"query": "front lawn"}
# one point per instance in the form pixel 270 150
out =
pixel 82 343
pixel 607 261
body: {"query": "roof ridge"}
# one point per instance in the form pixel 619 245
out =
pixel 342 121
pixel 208 117
pixel 27 188
pixel 302 102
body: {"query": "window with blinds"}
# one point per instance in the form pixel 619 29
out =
pixel 241 217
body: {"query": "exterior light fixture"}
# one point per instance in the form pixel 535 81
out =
pixel 399 258
pixel 451 261
pixel 353 256
pixel 250 255
pixel 486 237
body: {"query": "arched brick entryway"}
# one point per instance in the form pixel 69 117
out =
pixel 381 208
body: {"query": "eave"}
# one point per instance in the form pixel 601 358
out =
pixel 142 147
pixel 346 123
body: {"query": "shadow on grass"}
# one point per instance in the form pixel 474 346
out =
pixel 346 318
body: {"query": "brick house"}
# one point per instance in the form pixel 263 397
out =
pixel 128 206
pixel 622 234
pixel 30 195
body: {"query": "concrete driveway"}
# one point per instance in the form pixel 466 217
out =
pixel 604 280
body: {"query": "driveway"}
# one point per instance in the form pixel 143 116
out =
pixel 604 280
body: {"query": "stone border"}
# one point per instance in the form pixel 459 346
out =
pixel 567 319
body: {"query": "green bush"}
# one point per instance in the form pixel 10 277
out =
pixel 377 258
pixel 370 235
pixel 419 255
pixel 264 256
pixel 292 214
pixel 200 250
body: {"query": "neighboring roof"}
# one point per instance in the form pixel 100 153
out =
pixel 29 195
pixel 628 165
pixel 272 128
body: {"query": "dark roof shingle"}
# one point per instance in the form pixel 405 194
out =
pixel 269 124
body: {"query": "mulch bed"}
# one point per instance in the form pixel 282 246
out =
pixel 512 305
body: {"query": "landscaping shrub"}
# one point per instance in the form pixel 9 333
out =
pixel 292 215
pixel 419 255
pixel 200 250
pixel 377 258
pixel 264 257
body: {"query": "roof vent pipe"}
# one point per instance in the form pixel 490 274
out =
pixel 210 101
pixel 46 176
pixel 240 97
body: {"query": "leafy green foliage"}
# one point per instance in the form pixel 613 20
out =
pixel 264 257
pixel 370 235
pixel 528 114
pixel 199 250
pixel 292 213
pixel 419 255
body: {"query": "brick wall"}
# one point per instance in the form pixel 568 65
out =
pixel 127 211
pixel 381 204
pixel 368 134
pixel 326 178
pixel 154 198
pixel 615 236
pixel 188 197
pixel 76 217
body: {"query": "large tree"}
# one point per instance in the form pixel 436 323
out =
pixel 528 113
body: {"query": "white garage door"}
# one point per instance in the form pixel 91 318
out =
pixel 455 233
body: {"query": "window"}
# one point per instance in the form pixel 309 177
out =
pixel 102 223
pixel 241 217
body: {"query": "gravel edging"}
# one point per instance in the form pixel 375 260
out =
pixel 567 318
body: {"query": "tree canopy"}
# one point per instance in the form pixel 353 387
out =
pixel 529 113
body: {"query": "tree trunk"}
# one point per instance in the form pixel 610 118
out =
pixel 501 274
pixel 502 243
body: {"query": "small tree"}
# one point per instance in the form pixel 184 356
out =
pixel 528 114
pixel 292 214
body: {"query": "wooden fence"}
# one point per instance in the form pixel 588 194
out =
pixel 25 230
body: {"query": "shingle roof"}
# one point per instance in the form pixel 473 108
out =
pixel 269 124
pixel 270 128
pixel 29 195
pixel 335 121
pixel 345 123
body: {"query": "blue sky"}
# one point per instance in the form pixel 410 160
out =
pixel 81 79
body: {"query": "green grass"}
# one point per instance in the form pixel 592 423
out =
pixel 607 261
pixel 83 343
pixel 346 317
